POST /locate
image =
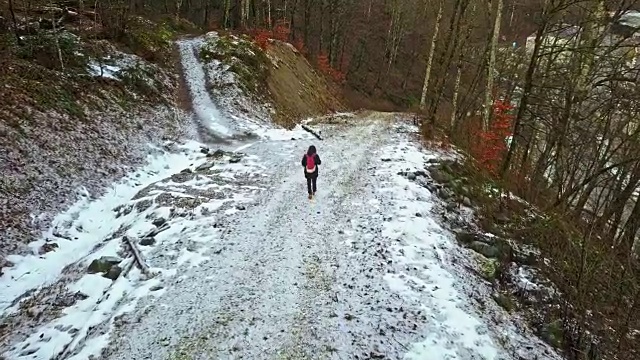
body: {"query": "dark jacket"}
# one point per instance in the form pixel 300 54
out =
pixel 316 158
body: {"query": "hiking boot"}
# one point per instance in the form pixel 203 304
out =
pixel 310 196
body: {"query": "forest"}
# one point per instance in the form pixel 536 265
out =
pixel 541 93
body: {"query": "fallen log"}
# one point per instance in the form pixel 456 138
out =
pixel 138 257
pixel 311 131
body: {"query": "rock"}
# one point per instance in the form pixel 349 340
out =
pixel 552 333
pixel 466 237
pixel 29 351
pixel 68 299
pixel 159 221
pixel 385 160
pixel 235 159
pixel 420 173
pixel 113 272
pixel 418 215
pixel 487 250
pixel 159 229
pixel 456 186
pixel 444 194
pixel 47 247
pixel 103 265
pixel 489 269
pixel 422 181
pixel 451 206
pixel 501 218
pixel 156 287
pixel 217 154
pixel 241 207
pixel 205 166
pixel 525 258
pixel 466 201
pixel 505 301
pixel 411 176
pixel 34 311
pixel 147 241
pixel 186 171
pixel 204 150
pixel 440 176
pixel 4 264
pixel 143 205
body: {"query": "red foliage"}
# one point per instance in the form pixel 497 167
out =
pixel 325 67
pixel 492 146
pixel 282 30
pixel 299 45
pixel 261 38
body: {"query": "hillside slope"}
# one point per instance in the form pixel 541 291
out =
pixel 73 122
pixel 274 84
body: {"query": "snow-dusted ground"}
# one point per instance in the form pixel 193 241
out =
pixel 243 265
pixel 255 270
pixel 364 270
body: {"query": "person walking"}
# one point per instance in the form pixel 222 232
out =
pixel 310 162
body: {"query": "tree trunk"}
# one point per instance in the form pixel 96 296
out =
pixel 55 37
pixel 15 23
pixel 488 95
pixel 526 92
pixel 227 14
pixel 292 34
pixel 307 21
pixel 454 101
pixel 427 75
pixel 453 39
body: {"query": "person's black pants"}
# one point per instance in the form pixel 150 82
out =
pixel 311 183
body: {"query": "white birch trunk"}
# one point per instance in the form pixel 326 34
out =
pixel 488 96
pixel 427 75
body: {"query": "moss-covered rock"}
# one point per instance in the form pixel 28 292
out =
pixel 103 264
pixel 505 301
pixel 489 269
pixel 551 332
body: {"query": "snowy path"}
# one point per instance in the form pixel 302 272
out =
pixel 249 268
pixel 207 112
pixel 356 273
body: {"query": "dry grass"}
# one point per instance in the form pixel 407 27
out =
pixel 296 89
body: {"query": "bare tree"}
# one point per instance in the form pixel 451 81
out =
pixel 432 49
pixel 491 64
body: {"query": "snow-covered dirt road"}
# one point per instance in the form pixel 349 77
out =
pixel 245 266
pixel 362 272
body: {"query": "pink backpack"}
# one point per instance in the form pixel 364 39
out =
pixel 311 163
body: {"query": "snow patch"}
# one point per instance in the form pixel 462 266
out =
pixel 430 274
pixel 78 230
